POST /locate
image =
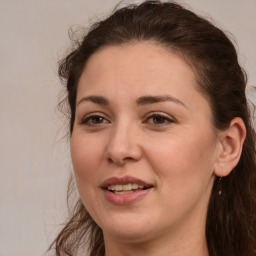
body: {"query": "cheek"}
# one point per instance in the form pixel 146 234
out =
pixel 86 157
pixel 184 174
pixel 184 161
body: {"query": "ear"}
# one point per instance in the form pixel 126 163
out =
pixel 230 144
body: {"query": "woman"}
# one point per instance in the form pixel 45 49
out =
pixel 161 141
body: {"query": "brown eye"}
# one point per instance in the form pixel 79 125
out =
pixel 97 119
pixel 159 120
pixel 94 120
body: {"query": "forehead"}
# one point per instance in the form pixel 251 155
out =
pixel 133 70
pixel 144 62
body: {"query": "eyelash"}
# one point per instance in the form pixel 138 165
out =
pixel 164 120
pixel 90 118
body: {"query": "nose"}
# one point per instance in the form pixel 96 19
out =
pixel 123 145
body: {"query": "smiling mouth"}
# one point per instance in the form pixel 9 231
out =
pixel 126 188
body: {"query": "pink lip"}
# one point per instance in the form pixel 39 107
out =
pixel 124 180
pixel 125 199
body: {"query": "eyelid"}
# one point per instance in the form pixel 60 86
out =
pixel 93 114
pixel 157 113
pixel 169 119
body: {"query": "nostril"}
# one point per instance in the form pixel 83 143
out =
pixel 110 160
pixel 127 158
pixel 119 161
pixel 121 153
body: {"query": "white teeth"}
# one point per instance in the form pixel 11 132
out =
pixel 126 187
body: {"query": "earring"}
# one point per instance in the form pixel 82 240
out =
pixel 219 185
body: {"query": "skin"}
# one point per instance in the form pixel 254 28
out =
pixel 170 144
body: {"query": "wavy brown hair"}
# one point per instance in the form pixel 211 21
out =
pixel 231 217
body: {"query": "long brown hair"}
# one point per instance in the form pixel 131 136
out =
pixel 231 218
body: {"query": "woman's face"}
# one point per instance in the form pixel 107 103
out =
pixel 143 147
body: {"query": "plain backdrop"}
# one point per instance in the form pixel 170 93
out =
pixel 34 160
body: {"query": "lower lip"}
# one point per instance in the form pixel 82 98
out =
pixel 123 199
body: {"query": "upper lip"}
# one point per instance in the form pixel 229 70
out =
pixel 123 181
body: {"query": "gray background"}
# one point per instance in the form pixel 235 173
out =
pixel 34 160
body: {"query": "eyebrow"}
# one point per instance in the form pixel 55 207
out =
pixel 141 101
pixel 145 100
pixel 95 99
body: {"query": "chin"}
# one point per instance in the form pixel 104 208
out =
pixel 128 230
pixel 128 236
